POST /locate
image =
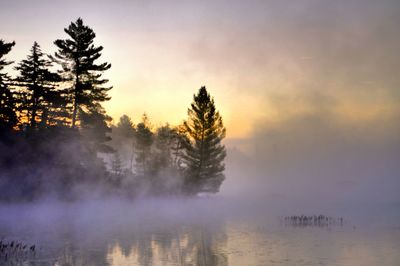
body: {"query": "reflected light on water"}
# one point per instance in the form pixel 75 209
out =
pixel 137 234
pixel 254 244
pixel 186 246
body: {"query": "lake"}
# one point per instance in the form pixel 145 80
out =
pixel 192 232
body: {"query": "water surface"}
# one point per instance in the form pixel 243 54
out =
pixel 179 232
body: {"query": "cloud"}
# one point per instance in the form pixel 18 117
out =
pixel 316 155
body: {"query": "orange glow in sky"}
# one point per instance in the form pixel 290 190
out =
pixel 261 60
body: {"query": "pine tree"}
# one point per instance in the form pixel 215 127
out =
pixel 125 127
pixel 41 94
pixel 164 166
pixel 168 148
pixel 144 140
pixel 77 55
pixel 163 144
pixel 8 117
pixel 205 154
pixel 95 130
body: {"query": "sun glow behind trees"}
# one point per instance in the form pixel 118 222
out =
pixel 58 124
pixel 248 54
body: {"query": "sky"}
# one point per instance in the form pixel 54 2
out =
pixel 309 90
pixel 262 60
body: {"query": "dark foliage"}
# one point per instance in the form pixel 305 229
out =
pixel 42 102
pixel 77 56
pixel 150 159
pixel 204 154
pixel 56 139
pixel 8 117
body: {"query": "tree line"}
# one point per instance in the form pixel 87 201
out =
pixel 56 138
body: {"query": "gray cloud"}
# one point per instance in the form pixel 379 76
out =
pixel 315 156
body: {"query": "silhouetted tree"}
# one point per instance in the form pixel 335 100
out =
pixel 77 55
pixel 86 91
pixel 95 130
pixel 144 141
pixel 165 176
pixel 205 154
pixel 163 144
pixel 125 127
pixel 39 83
pixel 54 159
pixel 8 117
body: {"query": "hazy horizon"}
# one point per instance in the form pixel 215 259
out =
pixel 308 90
pixel 264 61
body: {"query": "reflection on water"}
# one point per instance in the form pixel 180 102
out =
pixel 70 236
pixel 194 245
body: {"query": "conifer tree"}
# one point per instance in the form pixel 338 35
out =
pixel 40 84
pixel 78 56
pixel 8 117
pixel 168 148
pixel 95 130
pixel 164 166
pixel 204 153
pixel 144 140
pixel 125 127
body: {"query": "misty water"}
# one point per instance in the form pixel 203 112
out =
pixel 203 231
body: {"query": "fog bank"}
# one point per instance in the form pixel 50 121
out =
pixel 317 156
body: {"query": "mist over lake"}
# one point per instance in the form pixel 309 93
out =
pixel 224 132
pixel 217 231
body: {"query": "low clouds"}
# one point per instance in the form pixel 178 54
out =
pixel 317 155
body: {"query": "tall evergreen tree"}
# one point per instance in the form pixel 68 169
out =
pixel 205 154
pixel 41 94
pixel 8 118
pixel 78 55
